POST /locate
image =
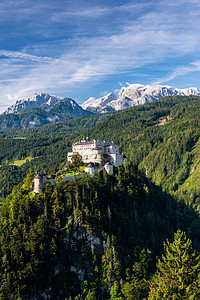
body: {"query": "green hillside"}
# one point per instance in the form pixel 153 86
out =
pixel 168 153
pixel 190 189
pixel 40 115
pixel 91 238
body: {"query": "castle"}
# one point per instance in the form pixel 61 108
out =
pixel 97 152
pixel 98 155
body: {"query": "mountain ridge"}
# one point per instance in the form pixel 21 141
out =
pixel 35 116
pixel 100 102
pixel 43 108
pixel 136 94
pixel 35 100
pixel 131 95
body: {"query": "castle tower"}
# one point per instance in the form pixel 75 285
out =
pixel 109 168
pixel 95 143
pixel 38 183
pixel 90 169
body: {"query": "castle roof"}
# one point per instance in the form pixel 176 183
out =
pixel 87 142
pixel 92 165
pixel 108 164
pixel 83 143
pixel 38 175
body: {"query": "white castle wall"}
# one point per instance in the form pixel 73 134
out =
pixel 91 151
pixel 90 170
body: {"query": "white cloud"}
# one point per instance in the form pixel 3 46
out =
pixel 94 12
pixel 91 12
pixel 180 71
pixel 25 56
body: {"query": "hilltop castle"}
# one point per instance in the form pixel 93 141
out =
pixel 97 152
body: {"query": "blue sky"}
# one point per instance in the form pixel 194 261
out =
pixel 81 48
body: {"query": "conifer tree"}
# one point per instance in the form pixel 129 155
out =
pixel 178 272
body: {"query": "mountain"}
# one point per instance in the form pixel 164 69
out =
pixel 98 104
pixel 135 94
pixel 40 110
pixel 35 100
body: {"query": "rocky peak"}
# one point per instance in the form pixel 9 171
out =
pixel 35 100
pixel 136 94
pixel 100 102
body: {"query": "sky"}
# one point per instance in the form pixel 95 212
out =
pixel 81 49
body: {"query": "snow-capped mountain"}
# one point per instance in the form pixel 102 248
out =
pixel 99 103
pixel 131 95
pixel 40 110
pixel 136 94
pixel 191 91
pixel 35 100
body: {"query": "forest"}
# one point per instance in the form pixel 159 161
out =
pixel 97 238
pixel 131 235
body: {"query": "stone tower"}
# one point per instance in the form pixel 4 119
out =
pixel 38 183
pixel 90 168
pixel 109 168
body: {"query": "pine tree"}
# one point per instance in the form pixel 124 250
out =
pixel 114 292
pixel 178 272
